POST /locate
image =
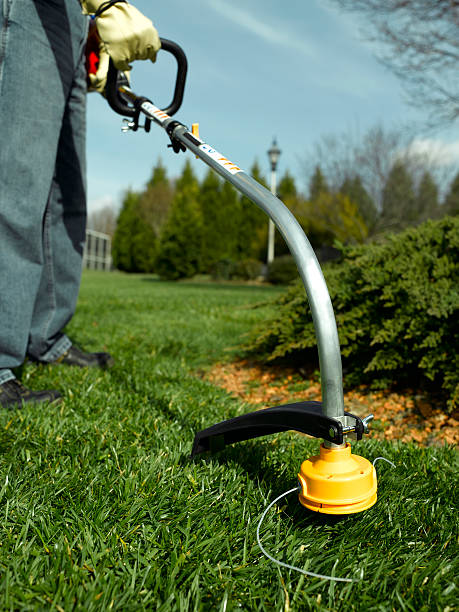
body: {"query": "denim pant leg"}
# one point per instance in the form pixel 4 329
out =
pixel 64 231
pixel 41 46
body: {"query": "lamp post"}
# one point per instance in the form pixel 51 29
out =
pixel 273 154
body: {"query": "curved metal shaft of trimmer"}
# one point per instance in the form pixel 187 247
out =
pixel 305 258
pixel 315 286
pixel 309 269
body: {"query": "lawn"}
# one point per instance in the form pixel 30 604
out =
pixel 102 508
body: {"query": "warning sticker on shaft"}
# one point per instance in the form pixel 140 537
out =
pixel 220 159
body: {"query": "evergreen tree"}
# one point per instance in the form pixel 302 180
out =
pixel 426 198
pixel 155 202
pixel 144 247
pixel 122 239
pixel 158 176
pixel 134 246
pixel 353 188
pixel 181 239
pixel 451 203
pixel 331 217
pixel 209 201
pixel 398 199
pixel 317 184
pixel 228 217
pixel 286 189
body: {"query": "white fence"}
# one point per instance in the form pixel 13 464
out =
pixel 97 254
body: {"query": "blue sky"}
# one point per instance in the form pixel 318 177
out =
pixel 261 68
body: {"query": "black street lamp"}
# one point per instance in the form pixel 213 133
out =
pixel 274 154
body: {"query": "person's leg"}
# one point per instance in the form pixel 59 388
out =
pixel 65 215
pixel 35 85
pixel 64 236
pixel 32 104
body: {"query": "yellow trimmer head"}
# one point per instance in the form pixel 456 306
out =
pixel 337 482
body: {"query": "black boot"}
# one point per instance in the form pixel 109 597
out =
pixel 75 357
pixel 13 394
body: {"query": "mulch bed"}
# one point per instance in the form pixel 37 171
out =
pixel 406 417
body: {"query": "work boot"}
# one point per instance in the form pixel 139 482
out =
pixel 13 394
pixel 75 357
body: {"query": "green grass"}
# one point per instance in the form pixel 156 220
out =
pixel 102 509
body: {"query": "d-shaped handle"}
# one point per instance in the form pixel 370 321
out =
pixel 116 78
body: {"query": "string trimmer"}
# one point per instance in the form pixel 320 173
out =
pixel 336 481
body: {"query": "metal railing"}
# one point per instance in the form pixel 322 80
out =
pixel 97 254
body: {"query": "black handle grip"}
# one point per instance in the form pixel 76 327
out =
pixel 116 78
pixel 182 69
pixel 305 417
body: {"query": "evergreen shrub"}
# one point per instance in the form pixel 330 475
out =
pixel 396 304
pixel 248 269
pixel 229 269
pixel 223 269
pixel 282 270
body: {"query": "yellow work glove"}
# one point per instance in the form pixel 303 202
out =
pixel 126 33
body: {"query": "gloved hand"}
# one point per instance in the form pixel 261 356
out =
pixel 97 80
pixel 126 33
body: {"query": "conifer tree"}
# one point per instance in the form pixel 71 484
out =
pixel 317 184
pixel 144 247
pixel 331 217
pixel 398 199
pixel 426 198
pixel 353 188
pixel 134 245
pixel 159 175
pixel 181 239
pixel 286 189
pixel 451 203
pixel 155 202
pixel 228 217
pixel 122 243
pixel 209 202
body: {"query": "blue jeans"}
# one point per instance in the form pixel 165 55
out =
pixel 42 176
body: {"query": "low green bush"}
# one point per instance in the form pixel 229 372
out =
pixel 282 270
pixel 396 304
pixel 223 269
pixel 248 269
pixel 244 269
